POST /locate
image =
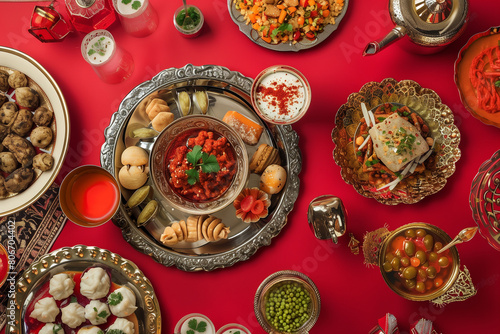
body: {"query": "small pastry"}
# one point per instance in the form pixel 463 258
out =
pixel 197 228
pixel 249 130
pixel 273 179
pixel 264 156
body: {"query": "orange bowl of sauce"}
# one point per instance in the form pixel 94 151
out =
pixel 89 196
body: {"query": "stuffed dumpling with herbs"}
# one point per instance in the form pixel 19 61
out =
pixel 122 302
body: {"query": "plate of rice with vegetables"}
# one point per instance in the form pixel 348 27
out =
pixel 287 25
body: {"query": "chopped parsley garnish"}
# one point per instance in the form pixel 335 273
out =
pixel 103 314
pixel 370 163
pixel 115 298
pixel 381 119
pixel 394 108
pixel 115 331
pixel 406 141
pixel 359 153
pixel 73 299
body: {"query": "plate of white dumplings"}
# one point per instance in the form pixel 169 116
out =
pixel 86 290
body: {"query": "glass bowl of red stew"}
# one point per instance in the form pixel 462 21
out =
pixel 411 266
pixel 199 164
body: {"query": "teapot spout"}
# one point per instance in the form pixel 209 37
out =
pixel 374 47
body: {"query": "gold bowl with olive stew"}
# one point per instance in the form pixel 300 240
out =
pixel 411 266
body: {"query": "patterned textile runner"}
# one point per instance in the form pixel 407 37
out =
pixel 29 234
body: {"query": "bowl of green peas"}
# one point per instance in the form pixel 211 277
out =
pixel 287 302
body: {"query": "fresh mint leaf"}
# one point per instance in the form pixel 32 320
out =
pixel 192 324
pixel 202 327
pixel 136 5
pixel 126 2
pixel 115 298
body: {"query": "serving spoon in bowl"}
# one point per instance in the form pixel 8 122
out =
pixel 187 20
pixel 463 236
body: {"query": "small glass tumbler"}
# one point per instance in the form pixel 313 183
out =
pixel 138 17
pixel 183 325
pixel 89 196
pixel 111 63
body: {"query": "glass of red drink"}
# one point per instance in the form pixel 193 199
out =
pixel 89 196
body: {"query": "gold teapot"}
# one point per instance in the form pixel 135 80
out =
pixel 428 24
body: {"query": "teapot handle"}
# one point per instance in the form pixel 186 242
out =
pixel 374 47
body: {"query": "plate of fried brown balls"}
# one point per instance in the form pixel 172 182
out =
pixel 34 130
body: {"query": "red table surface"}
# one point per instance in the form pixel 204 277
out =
pixel 353 296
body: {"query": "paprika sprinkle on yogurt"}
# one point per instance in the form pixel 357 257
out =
pixel 281 95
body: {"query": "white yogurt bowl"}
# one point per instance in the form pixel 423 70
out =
pixel 281 95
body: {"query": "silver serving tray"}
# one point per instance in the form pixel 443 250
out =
pixel 289 46
pixel 226 90
pixel 78 258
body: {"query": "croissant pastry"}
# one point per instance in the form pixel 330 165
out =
pixel 195 228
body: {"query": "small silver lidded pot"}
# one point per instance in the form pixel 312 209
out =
pixel 327 217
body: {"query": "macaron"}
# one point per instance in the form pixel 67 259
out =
pixel 264 156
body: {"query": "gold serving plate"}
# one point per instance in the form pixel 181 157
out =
pixel 79 258
pixel 421 100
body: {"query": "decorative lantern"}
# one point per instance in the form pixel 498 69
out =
pixel 47 25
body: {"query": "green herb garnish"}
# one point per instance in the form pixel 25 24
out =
pixel 359 153
pixel 135 5
pixel 73 299
pixel 497 83
pixel 195 326
pixel 103 314
pixel 98 47
pixel 208 164
pixel 370 163
pixel 100 331
pixel 381 119
pixel 115 298
pixel 394 108
pixel 56 329
pixel 281 28
pixel 115 331
pixel 406 141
